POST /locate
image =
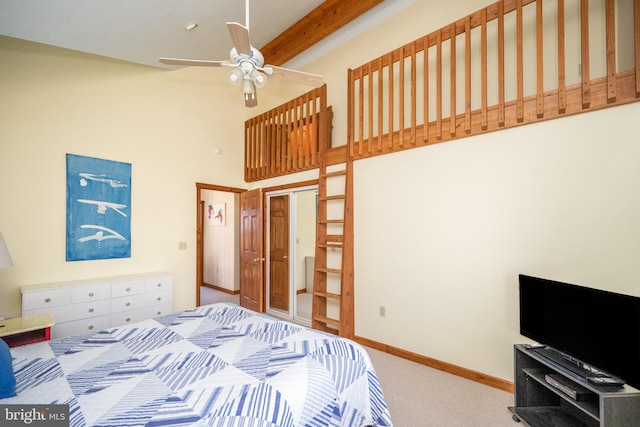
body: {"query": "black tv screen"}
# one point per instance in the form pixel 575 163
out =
pixel 599 328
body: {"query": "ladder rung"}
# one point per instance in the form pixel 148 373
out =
pixel 330 245
pixel 334 197
pixel 326 320
pixel 327 295
pixel 335 173
pixel 333 238
pixel 329 270
pixel 331 221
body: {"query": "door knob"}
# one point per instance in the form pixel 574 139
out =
pixel 285 257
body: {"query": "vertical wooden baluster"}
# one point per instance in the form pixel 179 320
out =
pixel 270 142
pixel 350 112
pixel 484 54
pixel 520 60
pixel 261 144
pixel 562 83
pixel 317 128
pixel 611 50
pixel 401 85
pixel 370 108
pixel 413 102
pixel 439 84
pixel 308 122
pixel 584 32
pixel 286 128
pixel 413 93
pixel 391 94
pixel 278 140
pixel 501 63
pixel 380 106
pixel 636 24
pixel 300 134
pixel 453 84
pixel 425 59
pixel 289 122
pixel 467 74
pixel 539 60
pixel 247 127
pixel 361 112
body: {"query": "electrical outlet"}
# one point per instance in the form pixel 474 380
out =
pixel 383 311
pixel 182 246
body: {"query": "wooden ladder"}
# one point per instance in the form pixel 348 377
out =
pixel 332 308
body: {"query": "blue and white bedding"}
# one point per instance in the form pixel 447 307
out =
pixel 216 365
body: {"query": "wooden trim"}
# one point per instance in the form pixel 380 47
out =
pixel 636 26
pixel 220 289
pixel 469 374
pixel 315 26
pixel 200 232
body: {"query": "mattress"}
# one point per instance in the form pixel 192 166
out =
pixel 215 365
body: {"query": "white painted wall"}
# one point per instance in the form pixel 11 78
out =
pixel 221 244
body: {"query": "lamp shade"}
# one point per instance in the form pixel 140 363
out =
pixel 5 258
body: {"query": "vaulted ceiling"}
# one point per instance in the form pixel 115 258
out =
pixel 141 31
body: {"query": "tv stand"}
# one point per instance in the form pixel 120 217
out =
pixel 538 403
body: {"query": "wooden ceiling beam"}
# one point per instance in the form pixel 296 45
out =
pixel 315 26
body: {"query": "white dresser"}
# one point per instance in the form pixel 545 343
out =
pixel 92 305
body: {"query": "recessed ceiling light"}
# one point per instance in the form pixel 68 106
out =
pixel 191 26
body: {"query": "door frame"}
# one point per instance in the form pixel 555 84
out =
pixel 200 231
pixel 277 191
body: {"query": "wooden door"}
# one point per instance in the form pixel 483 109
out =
pixel 251 251
pixel 279 252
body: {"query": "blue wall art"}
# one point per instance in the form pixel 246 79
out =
pixel 98 208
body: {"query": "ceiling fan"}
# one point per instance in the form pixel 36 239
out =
pixel 247 64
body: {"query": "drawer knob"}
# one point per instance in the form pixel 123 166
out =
pixel 91 310
pixel 159 313
pixel 128 304
pixel 47 300
pixel 90 327
pixel 128 319
pixel 128 289
pixel 159 285
pixel 91 294
pixel 159 298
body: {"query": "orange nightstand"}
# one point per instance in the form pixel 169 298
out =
pixel 26 330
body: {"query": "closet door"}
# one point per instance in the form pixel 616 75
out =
pixel 251 251
pixel 279 253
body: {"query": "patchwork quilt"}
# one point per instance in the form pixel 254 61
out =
pixel 216 365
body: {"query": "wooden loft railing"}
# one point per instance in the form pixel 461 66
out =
pixel 290 138
pixel 512 63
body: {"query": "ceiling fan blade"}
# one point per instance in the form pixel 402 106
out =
pixel 297 76
pixel 240 38
pixel 192 62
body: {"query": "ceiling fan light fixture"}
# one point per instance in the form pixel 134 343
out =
pixel 236 76
pixel 258 78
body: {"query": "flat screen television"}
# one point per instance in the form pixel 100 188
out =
pixel 599 328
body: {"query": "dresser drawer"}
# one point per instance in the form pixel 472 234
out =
pixel 67 313
pixel 90 293
pixel 130 287
pixel 141 300
pixel 83 326
pixel 159 283
pixel 131 316
pixel 45 298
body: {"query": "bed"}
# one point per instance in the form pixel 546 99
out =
pixel 215 365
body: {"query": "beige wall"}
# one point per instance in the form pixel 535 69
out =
pixel 166 124
pixel 441 232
